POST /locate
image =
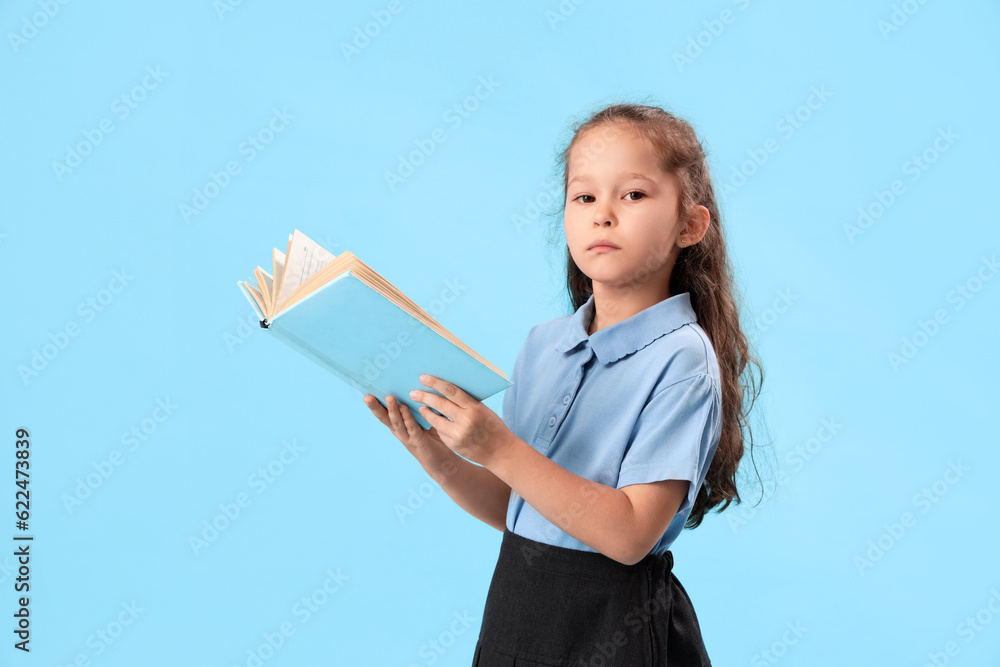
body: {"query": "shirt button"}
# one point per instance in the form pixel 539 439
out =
pixel 566 399
pixel 552 421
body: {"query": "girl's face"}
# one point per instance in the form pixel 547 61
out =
pixel 616 192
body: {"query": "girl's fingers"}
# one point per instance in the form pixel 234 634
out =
pixel 433 418
pixel 411 425
pixel 377 409
pixel 452 393
pixel 397 417
pixel 394 418
pixel 432 400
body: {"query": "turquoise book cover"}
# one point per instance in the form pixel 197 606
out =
pixel 378 342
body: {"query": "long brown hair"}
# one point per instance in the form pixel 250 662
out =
pixel 704 270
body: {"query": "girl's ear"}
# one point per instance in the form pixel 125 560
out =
pixel 697 225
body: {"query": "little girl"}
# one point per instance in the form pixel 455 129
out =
pixel 624 423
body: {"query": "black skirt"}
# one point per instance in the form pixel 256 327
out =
pixel 549 605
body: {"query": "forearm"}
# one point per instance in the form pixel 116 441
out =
pixel 474 488
pixel 596 514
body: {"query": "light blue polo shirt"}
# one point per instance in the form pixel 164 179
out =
pixel 636 402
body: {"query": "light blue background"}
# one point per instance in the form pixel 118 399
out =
pixel 824 313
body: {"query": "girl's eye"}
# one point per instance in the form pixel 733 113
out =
pixel 639 195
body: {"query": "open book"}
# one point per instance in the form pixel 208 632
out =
pixel 339 312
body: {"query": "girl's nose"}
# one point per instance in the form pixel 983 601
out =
pixel 603 216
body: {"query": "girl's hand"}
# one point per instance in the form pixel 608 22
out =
pixel 474 431
pixel 397 417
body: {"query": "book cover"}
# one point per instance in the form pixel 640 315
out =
pixel 362 329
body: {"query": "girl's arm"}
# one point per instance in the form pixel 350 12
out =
pixel 623 524
pixel 474 488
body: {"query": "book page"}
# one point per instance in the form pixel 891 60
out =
pixel 278 260
pixel 266 288
pixel 304 258
pixel 256 300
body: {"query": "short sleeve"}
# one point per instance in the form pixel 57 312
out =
pixel 675 434
pixel 510 396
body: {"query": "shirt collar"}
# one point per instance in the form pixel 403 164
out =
pixel 631 334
